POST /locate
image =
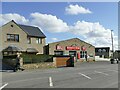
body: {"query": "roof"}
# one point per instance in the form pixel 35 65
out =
pixel 117 50
pixel 12 49
pixel 32 31
pixel 71 39
pixel 102 47
pixel 31 50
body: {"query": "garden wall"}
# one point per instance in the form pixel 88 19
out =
pixel 42 65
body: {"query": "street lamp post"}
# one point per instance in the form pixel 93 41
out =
pixel 112 45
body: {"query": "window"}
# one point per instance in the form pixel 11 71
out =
pixel 29 40
pixel 9 53
pixel 58 52
pixel 13 37
pixel 38 40
pixel 17 37
pixel 83 54
pixel 104 50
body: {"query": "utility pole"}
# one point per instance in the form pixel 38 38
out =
pixel 112 45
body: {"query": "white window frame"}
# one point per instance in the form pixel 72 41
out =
pixel 39 40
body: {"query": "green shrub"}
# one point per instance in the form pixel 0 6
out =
pixel 32 58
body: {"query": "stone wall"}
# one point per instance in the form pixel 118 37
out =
pixel 88 60
pixel 39 65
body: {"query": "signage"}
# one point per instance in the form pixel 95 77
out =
pixel 72 48
pixel 59 47
pixel 102 50
pixel 78 55
pixel 99 50
pixel 83 48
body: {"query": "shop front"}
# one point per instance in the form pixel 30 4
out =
pixel 74 47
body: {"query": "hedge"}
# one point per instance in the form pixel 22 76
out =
pixel 32 58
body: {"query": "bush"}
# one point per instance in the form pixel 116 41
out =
pixel 32 58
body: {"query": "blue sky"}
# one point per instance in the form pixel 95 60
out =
pixel 102 15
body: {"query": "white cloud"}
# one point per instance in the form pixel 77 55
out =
pixel 54 39
pixel 76 9
pixel 115 42
pixel 89 29
pixel 13 16
pixel 103 41
pixel 49 22
pixel 93 32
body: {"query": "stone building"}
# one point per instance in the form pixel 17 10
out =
pixel 25 38
pixel 80 49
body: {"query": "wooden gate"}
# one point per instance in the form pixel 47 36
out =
pixel 64 61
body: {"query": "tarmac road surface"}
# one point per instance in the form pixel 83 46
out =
pixel 83 75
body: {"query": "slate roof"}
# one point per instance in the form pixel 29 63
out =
pixel 31 50
pixel 12 48
pixel 32 31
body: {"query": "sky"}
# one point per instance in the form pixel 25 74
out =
pixel 88 21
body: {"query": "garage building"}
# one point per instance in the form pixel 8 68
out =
pixel 75 47
pixel 102 52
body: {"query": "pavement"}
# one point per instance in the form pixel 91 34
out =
pixel 100 74
pixel 97 58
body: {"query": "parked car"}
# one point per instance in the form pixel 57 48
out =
pixel 114 61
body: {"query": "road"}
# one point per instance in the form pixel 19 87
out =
pixel 83 75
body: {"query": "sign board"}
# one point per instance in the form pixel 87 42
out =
pixel 83 48
pixel 72 48
pixel 59 47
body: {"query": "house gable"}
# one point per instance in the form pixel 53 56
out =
pixel 12 28
pixel 29 30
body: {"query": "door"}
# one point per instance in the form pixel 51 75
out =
pixel 73 53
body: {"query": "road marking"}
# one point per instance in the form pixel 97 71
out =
pixel 102 73
pixel 50 82
pixel 3 86
pixel 84 75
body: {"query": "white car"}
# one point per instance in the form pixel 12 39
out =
pixel 114 61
